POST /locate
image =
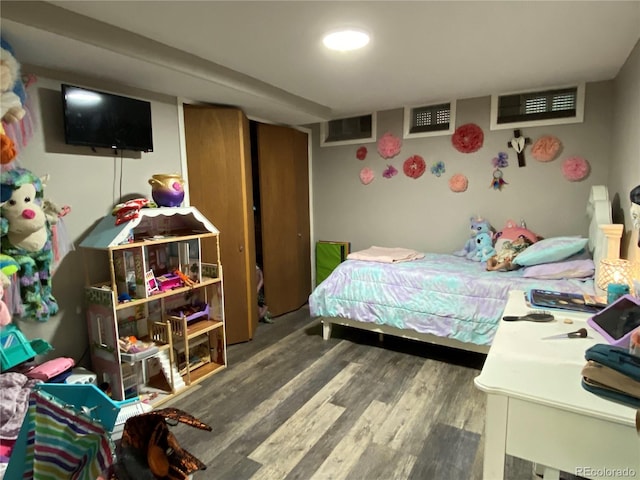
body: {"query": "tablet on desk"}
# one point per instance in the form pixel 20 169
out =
pixel 616 322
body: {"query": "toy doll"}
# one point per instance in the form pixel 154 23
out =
pixel 504 258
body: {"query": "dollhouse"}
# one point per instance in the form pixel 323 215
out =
pixel 156 324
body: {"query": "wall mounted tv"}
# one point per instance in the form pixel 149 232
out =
pixel 99 119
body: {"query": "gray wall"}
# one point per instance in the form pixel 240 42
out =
pixel 624 173
pixel 425 215
pixel 90 184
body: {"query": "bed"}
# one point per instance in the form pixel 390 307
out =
pixel 444 299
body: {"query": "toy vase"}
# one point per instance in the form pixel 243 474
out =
pixel 167 189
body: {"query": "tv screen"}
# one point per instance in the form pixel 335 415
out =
pixel 99 119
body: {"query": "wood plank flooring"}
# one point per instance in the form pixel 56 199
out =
pixel 293 406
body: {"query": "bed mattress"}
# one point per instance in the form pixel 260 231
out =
pixel 440 294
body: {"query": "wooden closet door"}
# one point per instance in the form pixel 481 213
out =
pixel 283 165
pixel 220 186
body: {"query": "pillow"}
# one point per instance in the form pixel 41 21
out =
pixel 550 250
pixel 559 270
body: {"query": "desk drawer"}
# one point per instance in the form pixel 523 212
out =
pixel 568 441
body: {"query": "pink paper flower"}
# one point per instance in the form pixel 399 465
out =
pixel 546 148
pixel 575 169
pixel 389 145
pixel 390 171
pixel 458 183
pixel 366 175
pixel 467 138
pixel 361 154
pixel 414 166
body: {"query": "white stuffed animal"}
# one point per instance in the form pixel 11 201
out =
pixel 11 109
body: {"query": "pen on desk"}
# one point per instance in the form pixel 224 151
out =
pixel 580 333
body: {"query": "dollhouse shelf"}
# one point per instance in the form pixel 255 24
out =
pixel 165 243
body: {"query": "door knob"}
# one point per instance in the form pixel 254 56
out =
pixel 240 248
pixel 299 235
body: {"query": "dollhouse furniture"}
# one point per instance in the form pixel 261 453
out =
pixel 538 410
pixel 178 320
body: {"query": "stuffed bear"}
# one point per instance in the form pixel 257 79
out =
pixel 478 225
pixel 26 236
pixel 484 248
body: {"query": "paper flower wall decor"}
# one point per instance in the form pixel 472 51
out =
pixel 366 175
pixel 414 166
pixel 546 148
pixel 467 138
pixel 437 168
pixel 361 154
pixel 575 169
pixel 389 145
pixel 500 161
pixel 458 183
pixel 390 171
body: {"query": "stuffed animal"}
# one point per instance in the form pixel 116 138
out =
pixel 8 266
pixel 484 247
pixel 26 236
pixel 11 86
pixel 478 225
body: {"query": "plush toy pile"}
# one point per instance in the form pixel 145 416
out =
pixel 28 221
pixel 497 250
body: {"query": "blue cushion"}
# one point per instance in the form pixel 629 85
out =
pixel 549 250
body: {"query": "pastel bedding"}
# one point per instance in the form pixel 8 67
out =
pixel 440 294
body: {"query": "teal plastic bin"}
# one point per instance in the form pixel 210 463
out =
pixel 16 349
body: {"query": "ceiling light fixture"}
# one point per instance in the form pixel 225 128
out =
pixel 345 40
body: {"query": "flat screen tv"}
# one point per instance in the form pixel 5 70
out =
pixel 99 119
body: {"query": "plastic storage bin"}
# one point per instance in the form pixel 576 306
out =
pixel 16 349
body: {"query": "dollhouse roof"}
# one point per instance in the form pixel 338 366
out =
pixel 150 223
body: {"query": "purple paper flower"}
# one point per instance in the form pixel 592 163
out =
pixel 390 171
pixel 500 161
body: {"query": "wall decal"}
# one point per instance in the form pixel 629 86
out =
pixel 389 145
pixel 497 182
pixel 500 161
pixel 518 142
pixel 546 148
pixel 458 183
pixel 438 168
pixel 575 169
pixel 390 171
pixel 361 154
pixel 367 175
pixel 414 166
pixel 468 138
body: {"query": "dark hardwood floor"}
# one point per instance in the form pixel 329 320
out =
pixel 293 406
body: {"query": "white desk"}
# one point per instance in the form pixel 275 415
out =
pixel 537 409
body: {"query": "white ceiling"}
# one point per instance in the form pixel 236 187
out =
pixel 267 57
